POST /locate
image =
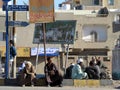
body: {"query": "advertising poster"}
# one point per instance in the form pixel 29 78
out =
pixel 56 32
pixel 41 11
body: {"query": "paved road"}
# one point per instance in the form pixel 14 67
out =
pixel 55 88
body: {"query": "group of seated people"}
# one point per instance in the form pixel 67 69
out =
pixel 27 74
pixel 79 71
pixel 52 75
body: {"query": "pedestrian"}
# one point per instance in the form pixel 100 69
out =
pixel 12 56
pixel 53 76
pixel 77 71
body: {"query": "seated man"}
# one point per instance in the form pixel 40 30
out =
pixel 77 71
pixel 69 71
pixel 53 76
pixel 93 71
pixel 27 75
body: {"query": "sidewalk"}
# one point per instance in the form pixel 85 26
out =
pixel 54 88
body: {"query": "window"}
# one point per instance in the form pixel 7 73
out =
pixel 111 2
pixel 96 2
pixel 94 33
pixel 93 36
pixel 117 18
pixel 2 36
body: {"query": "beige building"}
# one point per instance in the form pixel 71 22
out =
pixel 94 35
pixel 94 4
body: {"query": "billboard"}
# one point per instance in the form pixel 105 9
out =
pixel 41 11
pixel 56 32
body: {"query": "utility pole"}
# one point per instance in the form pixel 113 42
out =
pixel 7 38
pixel 14 39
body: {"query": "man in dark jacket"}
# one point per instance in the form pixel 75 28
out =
pixel 12 56
pixel 53 77
pixel 93 71
pixel 69 71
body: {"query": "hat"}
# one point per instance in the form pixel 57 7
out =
pixel 79 60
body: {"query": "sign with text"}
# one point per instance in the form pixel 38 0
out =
pixel 41 11
pixel 6 0
pixel 56 32
pixel 16 8
pixel 49 51
pixel 18 23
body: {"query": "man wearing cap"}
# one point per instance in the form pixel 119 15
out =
pixel 77 72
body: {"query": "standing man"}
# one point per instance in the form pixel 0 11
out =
pixel 12 56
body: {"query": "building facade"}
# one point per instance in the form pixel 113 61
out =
pixel 94 35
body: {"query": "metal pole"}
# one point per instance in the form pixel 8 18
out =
pixel 44 36
pixel 37 56
pixel 66 61
pixel 7 42
pixel 14 39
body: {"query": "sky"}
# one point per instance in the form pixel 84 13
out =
pixel 56 2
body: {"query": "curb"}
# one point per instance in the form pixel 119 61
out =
pixel 66 82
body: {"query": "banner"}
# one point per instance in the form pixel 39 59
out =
pixel 41 11
pixel 56 32
pixel 21 51
pixel 49 51
pixel 2 51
